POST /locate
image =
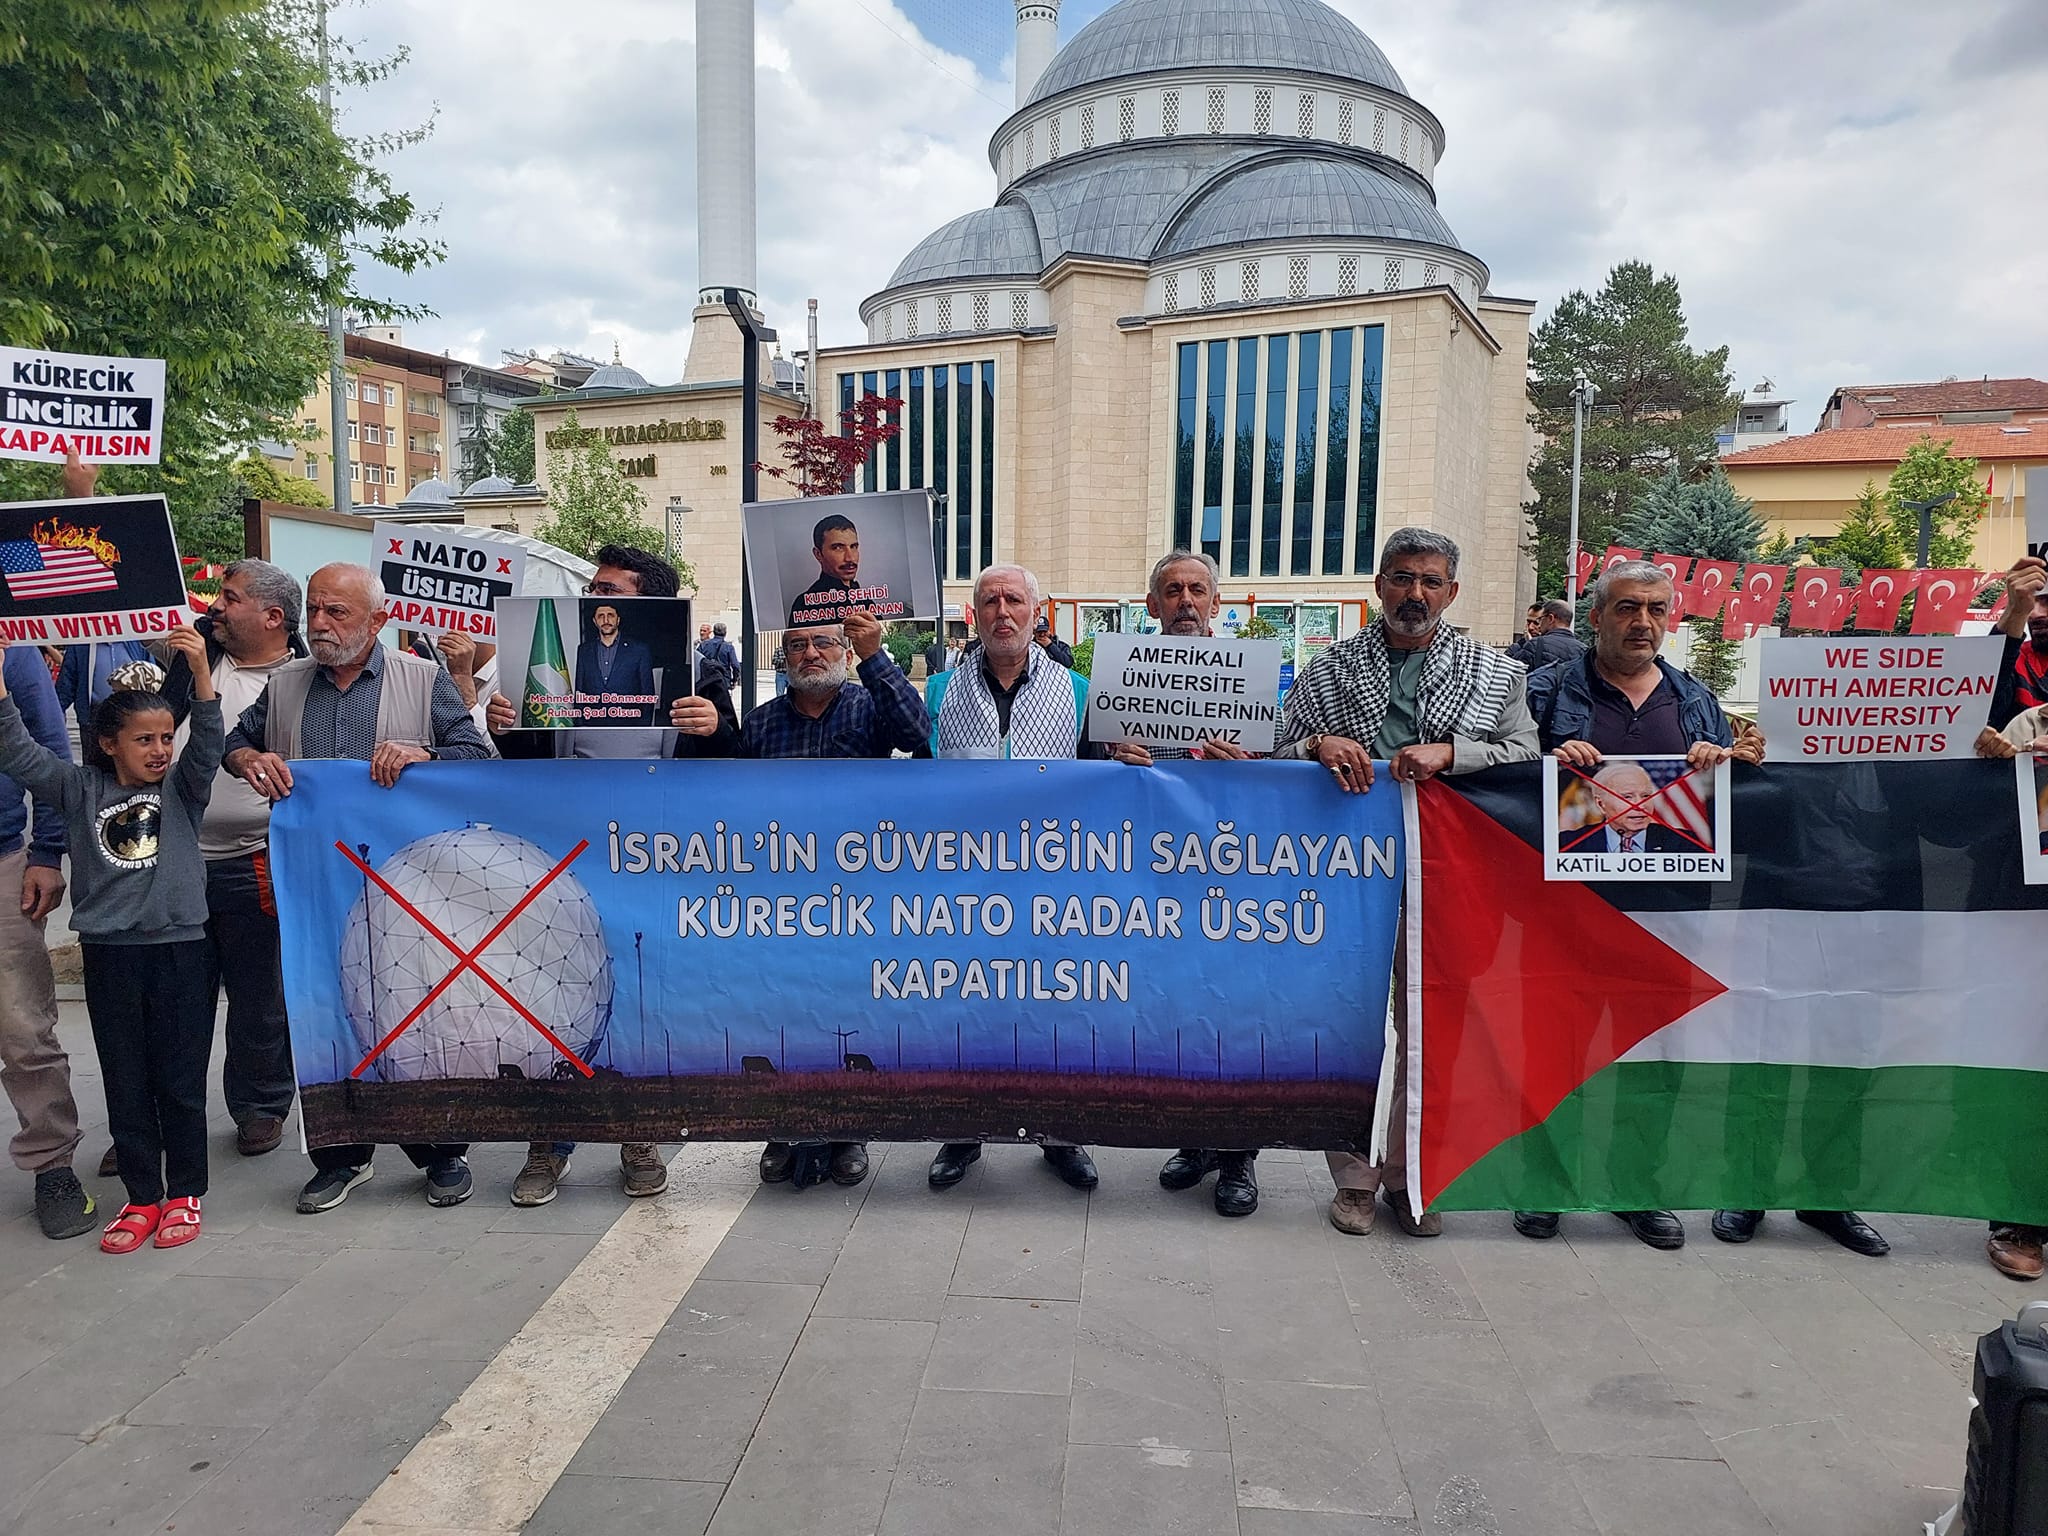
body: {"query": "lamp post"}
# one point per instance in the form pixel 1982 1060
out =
pixel 337 412
pixel 753 333
pixel 1926 509
pixel 1583 391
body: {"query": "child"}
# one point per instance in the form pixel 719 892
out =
pixel 138 895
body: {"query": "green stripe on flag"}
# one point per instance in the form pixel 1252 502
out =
pixel 1699 1135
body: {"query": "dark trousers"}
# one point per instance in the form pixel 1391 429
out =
pixel 326 1159
pixel 152 1023
pixel 241 925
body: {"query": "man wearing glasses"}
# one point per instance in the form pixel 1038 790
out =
pixel 826 713
pixel 1411 691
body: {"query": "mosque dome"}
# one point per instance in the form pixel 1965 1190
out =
pixel 489 485
pixel 1296 199
pixel 990 242
pixel 433 492
pixel 613 375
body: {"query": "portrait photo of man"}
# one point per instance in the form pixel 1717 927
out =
pixel 835 545
pixel 610 663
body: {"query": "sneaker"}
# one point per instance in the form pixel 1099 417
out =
pixel 541 1176
pixel 329 1187
pixel 642 1170
pixel 1352 1211
pixel 256 1136
pixel 2014 1252
pixel 449 1183
pixel 63 1208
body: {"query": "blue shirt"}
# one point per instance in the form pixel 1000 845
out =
pixel 107 657
pixel 29 685
pixel 871 718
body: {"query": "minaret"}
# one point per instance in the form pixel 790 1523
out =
pixel 725 183
pixel 1038 39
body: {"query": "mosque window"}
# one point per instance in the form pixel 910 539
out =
pixel 945 316
pixel 1171 290
pixel 910 320
pixel 1346 115
pixel 1030 145
pixel 1218 105
pixel 1184 447
pixel 1305 116
pixel 1262 113
pixel 1248 281
pixel 1297 277
pixel 1088 125
pixel 1404 141
pixel 1020 310
pixel 1379 130
pixel 1127 117
pixel 1309 443
pixel 1393 273
pixel 1430 272
pixel 1169 114
pixel 1347 274
pixel 1207 287
pixel 1052 139
pixel 889 323
pixel 981 317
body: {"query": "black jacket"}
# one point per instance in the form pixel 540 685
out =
pixel 1542 650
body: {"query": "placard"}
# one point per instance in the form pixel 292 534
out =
pixel 81 569
pixel 442 582
pixel 1180 690
pixel 111 409
pixel 2030 775
pixel 814 559
pixel 584 663
pixel 1828 700
pixel 1635 818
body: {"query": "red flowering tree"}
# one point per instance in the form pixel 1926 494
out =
pixel 819 463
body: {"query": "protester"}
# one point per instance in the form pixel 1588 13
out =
pixel 1410 690
pixel 355 698
pixel 1055 647
pixel 2030 666
pixel 1184 594
pixel 33 1065
pixel 1623 698
pixel 1009 699
pixel 720 661
pixel 140 915
pixel 825 714
pixel 622 571
pixel 473 668
pixel 107 658
pixel 1532 626
pixel 1552 639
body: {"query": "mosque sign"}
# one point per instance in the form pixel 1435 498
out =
pixel 634 434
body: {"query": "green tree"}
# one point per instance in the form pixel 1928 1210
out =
pixel 593 504
pixel 1705 518
pixel 261 479
pixel 169 187
pixel 1928 470
pixel 512 448
pixel 1869 537
pixel 1084 656
pixel 1660 403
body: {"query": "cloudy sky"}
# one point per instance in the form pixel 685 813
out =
pixel 1847 192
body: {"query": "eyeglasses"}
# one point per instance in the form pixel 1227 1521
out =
pixel 606 589
pixel 1401 581
pixel 796 645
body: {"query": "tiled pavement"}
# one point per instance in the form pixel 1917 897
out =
pixel 1009 1356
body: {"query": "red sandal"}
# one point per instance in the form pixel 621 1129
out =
pixel 131 1229
pixel 180 1223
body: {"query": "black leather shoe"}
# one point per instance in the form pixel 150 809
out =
pixel 952 1163
pixel 1073 1164
pixel 1536 1224
pixel 1187 1168
pixel 849 1162
pixel 777 1158
pixel 1848 1229
pixel 1659 1229
pixel 1736 1226
pixel 1237 1184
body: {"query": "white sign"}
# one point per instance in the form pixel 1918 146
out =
pixel 1635 818
pixel 1181 690
pixel 442 582
pixel 111 409
pixel 1828 700
pixel 2037 507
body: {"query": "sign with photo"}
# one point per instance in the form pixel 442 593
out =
pixel 2031 776
pixel 110 409
pixel 814 559
pixel 441 582
pixel 92 568
pixel 1179 690
pixel 1635 818
pixel 583 663
pixel 1844 700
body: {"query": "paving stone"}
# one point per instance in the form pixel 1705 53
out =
pixel 263 1251
pixel 1295 1522
pixel 1629 1495
pixel 897 1259
pixel 1317 1448
pixel 1123 1491
pixel 785 1495
pixel 845 1397
pixel 1816 1479
pixel 625 1506
pixel 789 1235
pixel 989 1344
pixel 129 1480
pixel 987 1462
pixel 25 1460
pixel 1026 1233
pixel 1286 1327
pixel 475 1306
pixel 1147 1367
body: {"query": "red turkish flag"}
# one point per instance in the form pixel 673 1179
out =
pixel 1876 602
pixel 1584 564
pixel 1754 602
pixel 1712 581
pixel 1944 599
pixel 1616 553
pixel 1679 569
pixel 1818 601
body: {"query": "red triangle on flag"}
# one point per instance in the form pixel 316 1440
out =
pixel 1529 988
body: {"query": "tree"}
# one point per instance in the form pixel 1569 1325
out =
pixel 594 504
pixel 1703 518
pixel 819 463
pixel 169 187
pixel 1929 470
pixel 1659 405
pixel 1869 537
pixel 261 479
pixel 512 448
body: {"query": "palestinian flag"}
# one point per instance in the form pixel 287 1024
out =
pixel 1857 1020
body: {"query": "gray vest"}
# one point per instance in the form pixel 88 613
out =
pixel 405 702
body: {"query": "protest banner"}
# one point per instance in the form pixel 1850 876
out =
pixel 1181 690
pixel 1854 1024
pixel 442 582
pixel 110 409
pixel 813 559
pixel 583 663
pixel 1828 700
pixel 1195 954
pixel 1635 818
pixel 86 569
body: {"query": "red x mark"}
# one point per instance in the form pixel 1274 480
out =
pixel 504 566
pixel 395 549
pixel 467 962
pixel 1628 805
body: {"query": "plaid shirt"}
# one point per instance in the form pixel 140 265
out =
pixel 879 714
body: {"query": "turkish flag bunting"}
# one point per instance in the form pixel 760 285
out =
pixel 1818 601
pixel 1944 599
pixel 1679 569
pixel 1616 553
pixel 1712 581
pixel 1877 600
pixel 1585 565
pixel 1755 603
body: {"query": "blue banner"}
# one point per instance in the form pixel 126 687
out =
pixel 1191 955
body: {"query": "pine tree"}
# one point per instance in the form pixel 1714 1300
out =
pixel 1869 537
pixel 1704 518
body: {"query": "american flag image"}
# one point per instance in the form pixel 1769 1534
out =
pixel 1687 805
pixel 52 570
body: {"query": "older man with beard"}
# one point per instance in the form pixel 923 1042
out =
pixel 353 697
pixel 824 714
pixel 1410 690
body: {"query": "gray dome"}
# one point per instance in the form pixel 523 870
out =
pixel 1305 199
pixel 1140 37
pixel 614 375
pixel 990 242
pixel 434 492
pixel 489 485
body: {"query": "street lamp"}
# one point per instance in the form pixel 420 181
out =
pixel 1583 391
pixel 752 334
pixel 1927 509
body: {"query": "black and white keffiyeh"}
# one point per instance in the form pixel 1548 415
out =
pixel 1043 720
pixel 1463 689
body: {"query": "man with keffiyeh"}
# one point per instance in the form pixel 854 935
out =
pixel 1410 691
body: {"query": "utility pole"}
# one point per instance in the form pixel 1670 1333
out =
pixel 1583 391
pixel 337 401
pixel 753 333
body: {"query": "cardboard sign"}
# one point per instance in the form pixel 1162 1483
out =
pixel 2031 779
pixel 91 568
pixel 1181 690
pixel 1635 818
pixel 1882 698
pixel 582 663
pixel 441 582
pixel 814 559
pixel 111 409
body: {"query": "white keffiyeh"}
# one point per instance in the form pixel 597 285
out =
pixel 1462 690
pixel 1043 719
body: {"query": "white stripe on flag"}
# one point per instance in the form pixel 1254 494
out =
pixel 1859 989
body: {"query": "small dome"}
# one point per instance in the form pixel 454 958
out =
pixel 434 492
pixel 613 375
pixel 489 485
pixel 990 242
pixel 1305 199
pixel 1142 37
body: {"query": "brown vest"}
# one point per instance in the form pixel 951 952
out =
pixel 405 702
